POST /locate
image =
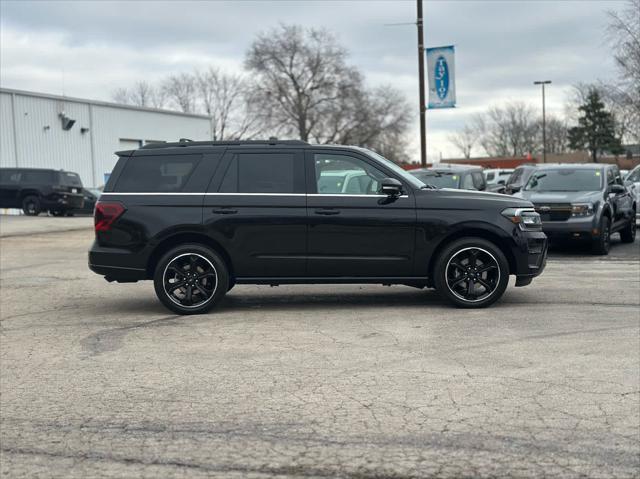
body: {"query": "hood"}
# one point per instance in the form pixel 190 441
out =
pixel 447 198
pixel 560 196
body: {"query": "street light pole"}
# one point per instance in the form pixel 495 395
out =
pixel 423 106
pixel 544 120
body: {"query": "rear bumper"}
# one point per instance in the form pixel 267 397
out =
pixel 63 201
pixel 117 264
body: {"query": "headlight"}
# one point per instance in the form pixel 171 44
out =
pixel 526 218
pixel 581 209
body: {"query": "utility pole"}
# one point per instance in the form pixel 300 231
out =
pixel 423 106
pixel 544 120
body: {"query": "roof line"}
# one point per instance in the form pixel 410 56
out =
pixel 99 103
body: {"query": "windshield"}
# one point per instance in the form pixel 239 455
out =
pixel 393 167
pixel 441 180
pixel 70 179
pixel 565 179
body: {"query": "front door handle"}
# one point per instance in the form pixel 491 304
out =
pixel 327 212
pixel 224 211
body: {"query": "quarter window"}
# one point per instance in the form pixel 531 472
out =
pixel 156 174
pixel 346 175
pixel 467 183
pixel 260 173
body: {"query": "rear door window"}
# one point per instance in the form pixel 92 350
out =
pixel 263 173
pixel 157 174
pixel 37 177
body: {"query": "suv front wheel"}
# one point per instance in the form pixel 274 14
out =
pixel 471 273
pixel 190 279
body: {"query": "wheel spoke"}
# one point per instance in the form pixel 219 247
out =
pixel 457 265
pixel 485 284
pixel 471 287
pixel 203 291
pixel 487 267
pixel 188 297
pixel 175 286
pixel 457 282
pixel 473 257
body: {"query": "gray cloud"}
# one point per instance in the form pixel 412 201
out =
pixel 502 46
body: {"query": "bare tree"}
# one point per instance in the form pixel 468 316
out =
pixel 511 130
pixel 306 88
pixel 121 95
pixel 299 72
pixel 557 135
pixel 464 140
pixel 181 91
pixel 227 99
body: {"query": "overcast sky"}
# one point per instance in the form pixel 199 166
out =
pixel 89 48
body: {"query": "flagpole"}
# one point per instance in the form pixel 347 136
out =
pixel 423 106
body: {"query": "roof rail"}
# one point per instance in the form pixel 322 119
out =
pixel 184 142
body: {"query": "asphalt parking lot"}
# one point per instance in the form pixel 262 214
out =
pixel 99 380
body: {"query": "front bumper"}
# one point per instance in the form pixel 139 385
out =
pixel 577 228
pixel 531 256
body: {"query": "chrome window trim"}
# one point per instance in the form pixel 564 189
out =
pixel 335 195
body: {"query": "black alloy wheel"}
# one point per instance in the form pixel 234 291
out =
pixel 190 279
pixel 471 273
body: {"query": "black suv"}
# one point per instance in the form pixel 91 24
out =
pixel 463 177
pixel 582 201
pixel 200 217
pixel 36 190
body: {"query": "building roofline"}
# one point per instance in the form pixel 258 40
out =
pixel 86 101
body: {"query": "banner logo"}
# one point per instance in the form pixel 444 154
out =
pixel 441 76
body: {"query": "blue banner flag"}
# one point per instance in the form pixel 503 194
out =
pixel 441 74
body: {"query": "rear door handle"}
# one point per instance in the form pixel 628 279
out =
pixel 327 212
pixel 224 211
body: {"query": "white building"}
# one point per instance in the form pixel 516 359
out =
pixel 47 131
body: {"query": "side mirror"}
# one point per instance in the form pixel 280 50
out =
pixel 515 188
pixel 390 187
pixel 616 189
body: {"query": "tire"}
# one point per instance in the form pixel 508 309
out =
pixel 200 293
pixel 57 213
pixel 465 287
pixel 31 205
pixel 602 244
pixel 628 234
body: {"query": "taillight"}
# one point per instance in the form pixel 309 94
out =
pixel 106 213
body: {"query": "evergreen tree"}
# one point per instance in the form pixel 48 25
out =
pixel 596 128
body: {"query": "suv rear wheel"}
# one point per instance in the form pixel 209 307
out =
pixel 31 205
pixel 190 279
pixel 602 244
pixel 471 273
pixel 628 234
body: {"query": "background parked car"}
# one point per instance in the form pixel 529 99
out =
pixel 36 190
pixel 91 196
pixel 519 178
pixel 462 177
pixel 632 181
pixel 496 176
pixel 583 202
